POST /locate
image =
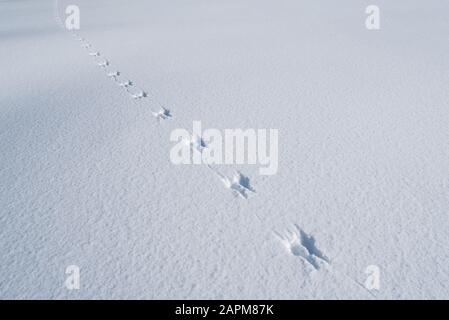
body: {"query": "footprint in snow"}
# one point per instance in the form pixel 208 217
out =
pixel 303 245
pixel 103 64
pixel 196 143
pixel 162 114
pixel 125 84
pixel 239 184
pixel 113 74
pixel 138 95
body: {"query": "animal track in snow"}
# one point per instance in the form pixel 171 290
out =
pixel 162 114
pixel 239 183
pixel 113 74
pixel 242 181
pixel 196 143
pixel 103 64
pixel 125 84
pixel 301 244
pixel 138 95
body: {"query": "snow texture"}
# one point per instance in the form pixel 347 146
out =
pixel 86 179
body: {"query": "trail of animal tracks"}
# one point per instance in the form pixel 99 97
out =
pixel 86 179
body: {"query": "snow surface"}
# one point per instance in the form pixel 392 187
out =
pixel 363 179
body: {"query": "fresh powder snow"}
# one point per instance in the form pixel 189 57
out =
pixel 91 205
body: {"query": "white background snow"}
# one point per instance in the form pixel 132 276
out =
pixel 86 179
